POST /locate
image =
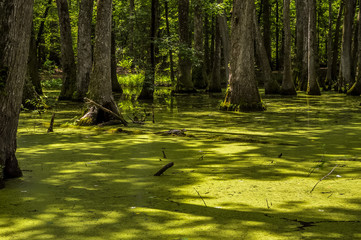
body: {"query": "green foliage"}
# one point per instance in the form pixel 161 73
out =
pixel 54 83
pixel 131 80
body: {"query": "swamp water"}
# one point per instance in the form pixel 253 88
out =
pixel 235 175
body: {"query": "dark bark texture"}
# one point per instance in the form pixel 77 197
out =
pixel 67 52
pixel 312 87
pixel 85 61
pixel 15 28
pixel 100 87
pixel 184 82
pixel 288 87
pixel 243 92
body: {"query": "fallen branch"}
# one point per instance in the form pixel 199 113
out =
pixel 328 174
pixel 50 129
pixel 164 168
pixel 201 197
pixel 118 116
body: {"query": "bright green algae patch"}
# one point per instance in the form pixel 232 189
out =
pixel 228 180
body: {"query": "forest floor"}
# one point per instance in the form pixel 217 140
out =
pixel 235 175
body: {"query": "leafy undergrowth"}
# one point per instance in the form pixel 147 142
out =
pixel 235 175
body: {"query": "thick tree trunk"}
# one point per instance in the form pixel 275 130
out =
pixel 199 74
pixel 184 82
pixel 100 87
pixel 288 87
pixel 329 79
pixel 84 48
pixel 345 77
pixel 242 93
pixel 67 52
pixel 277 36
pixel 148 84
pixel 301 44
pixel 312 87
pixel 15 28
pixel 270 84
pixel 355 90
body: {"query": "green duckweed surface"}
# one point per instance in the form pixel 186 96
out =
pixel 235 175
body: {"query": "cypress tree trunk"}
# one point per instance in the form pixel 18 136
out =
pixel 215 79
pixel 67 52
pixel 336 42
pixel 84 48
pixel 270 84
pixel 301 42
pixel 148 84
pixel 199 75
pixel 184 82
pixel 355 90
pixel 288 87
pixel 15 28
pixel 33 68
pixel 312 87
pixel 115 84
pixel 345 77
pixel 329 79
pixel 242 93
pixel 171 64
pixel 100 87
pixel 39 39
pixel 267 28
pixel 224 33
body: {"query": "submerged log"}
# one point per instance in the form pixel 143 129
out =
pixel 164 168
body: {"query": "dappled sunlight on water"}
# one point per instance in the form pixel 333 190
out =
pixel 235 175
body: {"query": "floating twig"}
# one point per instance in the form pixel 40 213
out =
pixel 164 168
pixel 201 197
pixel 164 156
pixel 118 116
pixel 328 174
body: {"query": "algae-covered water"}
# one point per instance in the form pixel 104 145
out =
pixel 235 175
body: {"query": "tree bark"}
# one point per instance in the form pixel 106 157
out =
pixel 336 42
pixel 199 74
pixel 33 68
pixel 312 86
pixel 184 81
pixel 115 84
pixel 100 86
pixel 345 77
pixel 171 63
pixel 67 52
pixel 84 48
pixel 15 28
pixel 329 79
pixel 224 33
pixel 215 79
pixel 242 93
pixel 288 87
pixel 267 28
pixel 355 90
pixel 148 84
pixel 270 84
pixel 301 44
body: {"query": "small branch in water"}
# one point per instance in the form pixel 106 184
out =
pixel 153 115
pixel 164 156
pixel 164 168
pixel 201 197
pixel 50 129
pixel 118 116
pixel 328 174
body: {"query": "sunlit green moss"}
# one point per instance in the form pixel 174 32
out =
pixel 229 181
